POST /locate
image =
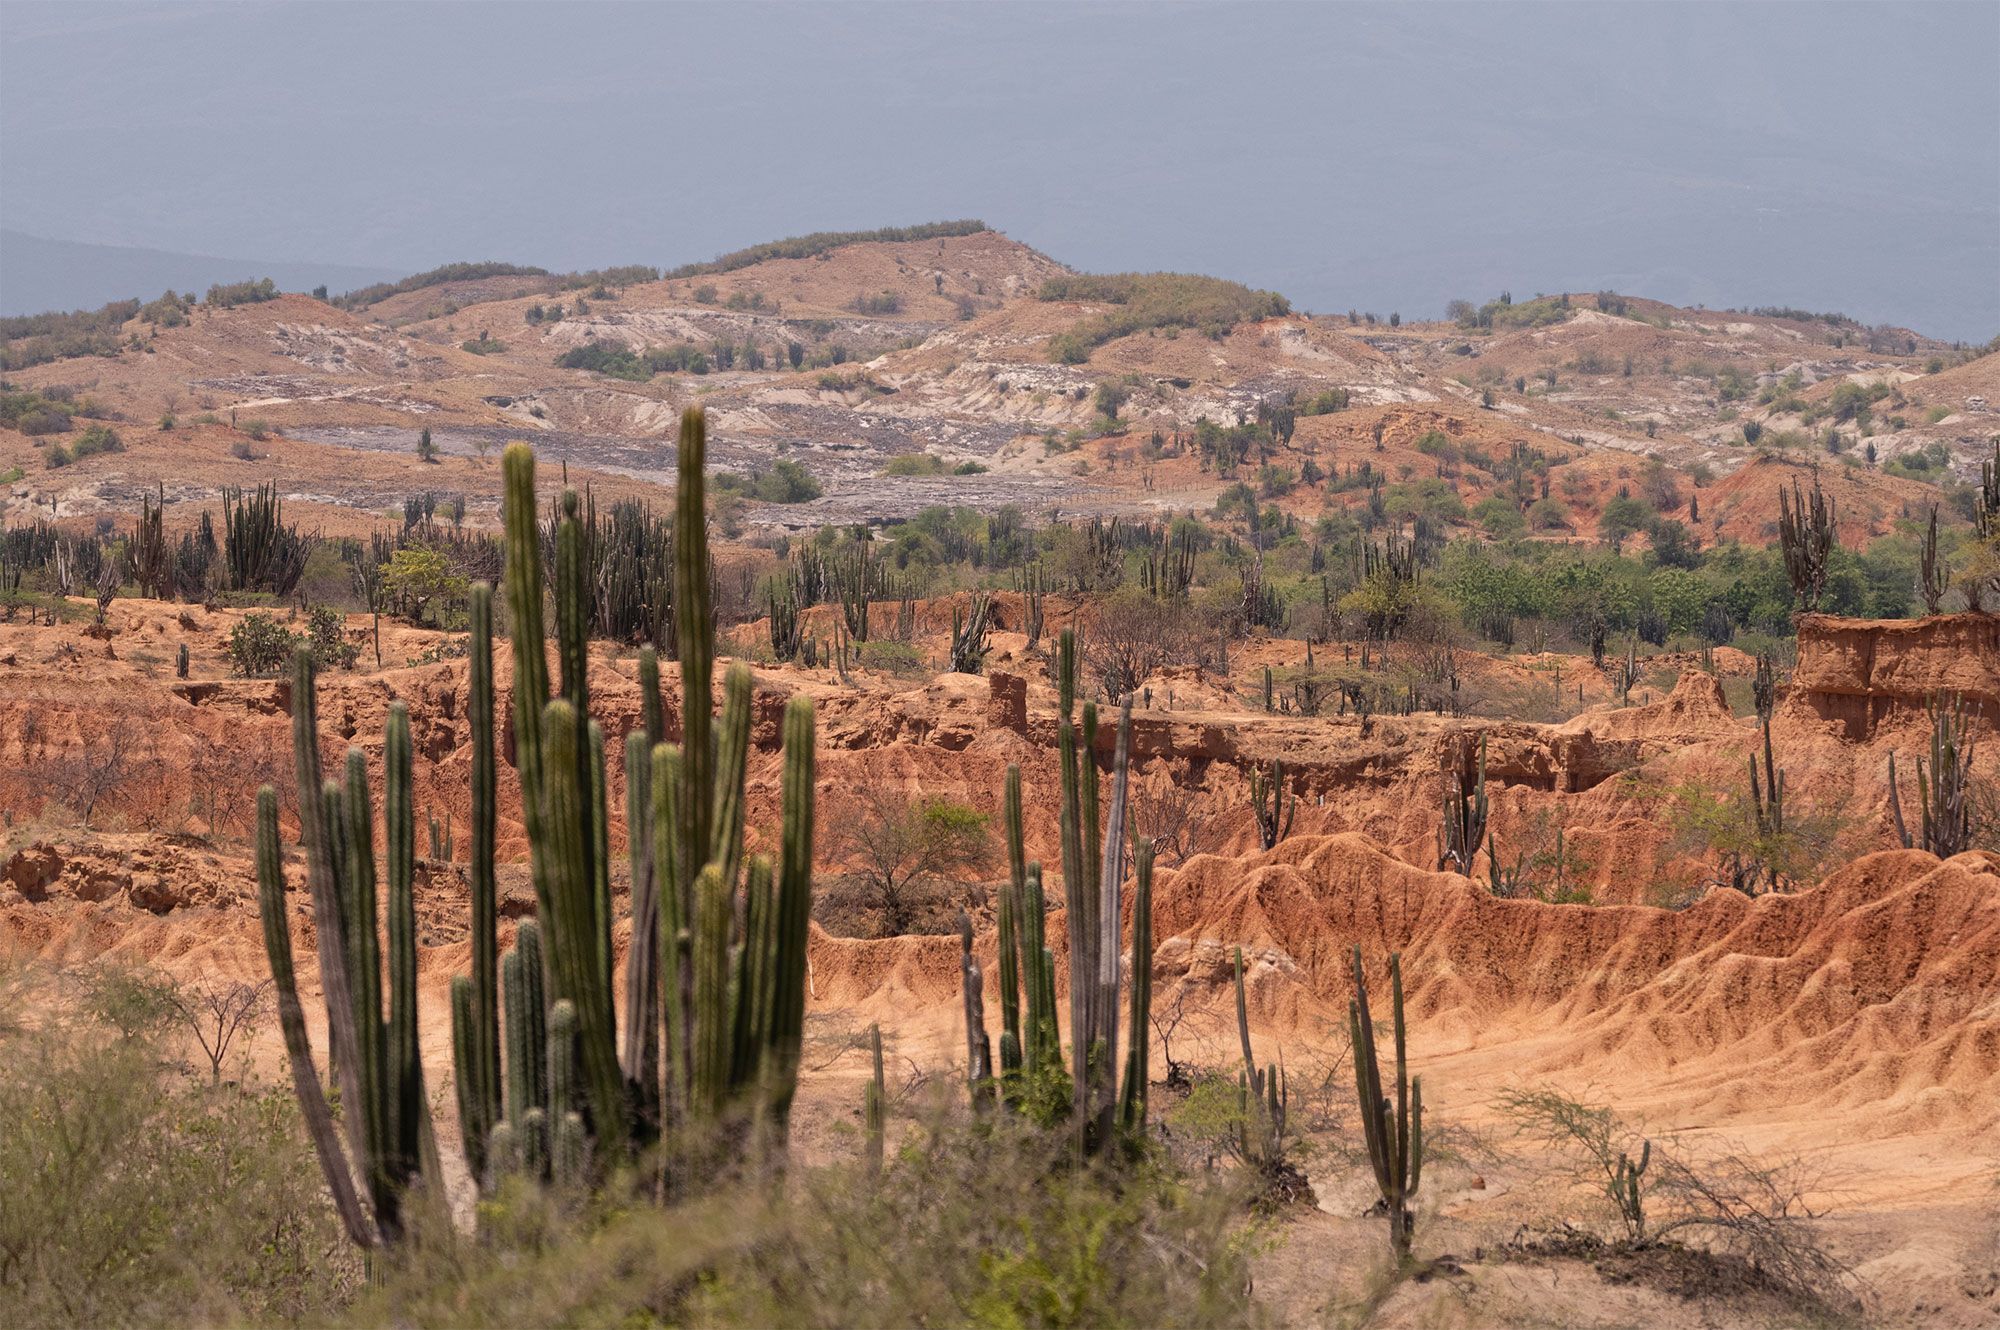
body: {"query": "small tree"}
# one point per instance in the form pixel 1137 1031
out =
pixel 417 576
pixel 218 1011
pixel 906 852
pixel 426 450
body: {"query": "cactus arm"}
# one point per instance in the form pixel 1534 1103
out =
pixel 574 939
pixel 1110 919
pixel 600 851
pixel 674 924
pixel 641 1053
pixel 696 633
pixel 1132 1102
pixel 795 863
pixel 1011 900
pixel 731 772
pixel 364 968
pixel 321 839
pixel 333 1160
pixel 484 888
pixel 713 908
pixel 402 1059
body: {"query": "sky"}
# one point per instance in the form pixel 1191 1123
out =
pixel 1351 155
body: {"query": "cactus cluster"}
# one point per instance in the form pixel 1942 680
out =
pixel 1394 1130
pixel 376 1062
pixel 1273 803
pixel 1944 789
pixel 968 634
pixel 716 971
pixel 1030 582
pixel 1464 824
pixel 1102 1108
pixel 1806 534
pixel 1262 1097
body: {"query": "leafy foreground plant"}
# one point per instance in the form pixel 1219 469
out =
pixel 132 1193
pixel 978 1222
pixel 708 1060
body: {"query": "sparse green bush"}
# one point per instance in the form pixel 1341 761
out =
pixel 785 482
pixel 231 294
pixel 1208 305
pixel 820 242
pixel 613 359
pixel 259 645
pixel 914 464
pixel 134 1194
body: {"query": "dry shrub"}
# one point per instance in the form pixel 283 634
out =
pixel 132 1194
pixel 970 1223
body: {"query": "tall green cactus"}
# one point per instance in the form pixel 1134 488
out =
pixel 874 1103
pixel 1263 1098
pixel 375 1051
pixel 1625 1190
pixel 1943 788
pixel 1030 1046
pixel 1274 805
pixel 1394 1131
pixel 1464 824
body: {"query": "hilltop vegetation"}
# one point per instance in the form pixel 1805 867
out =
pixel 450 272
pixel 819 242
pixel 1210 306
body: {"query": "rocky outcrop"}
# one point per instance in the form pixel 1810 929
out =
pixel 1859 673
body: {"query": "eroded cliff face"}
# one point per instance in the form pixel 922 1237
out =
pixel 1861 673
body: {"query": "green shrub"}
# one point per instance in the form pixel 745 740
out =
pixel 37 339
pixel 785 482
pixel 885 302
pixel 362 297
pixel 613 359
pixel 259 645
pixel 914 464
pixel 820 242
pixel 228 295
pixel 482 345
pixel 137 1194
pixel 96 439
pixel 34 413
pixel 1208 305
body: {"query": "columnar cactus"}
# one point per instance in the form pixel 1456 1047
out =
pixel 1263 1099
pixel 1100 1109
pixel 573 1097
pixel 1274 805
pixel 375 1051
pixel 1944 789
pixel 1806 535
pixel 874 1103
pixel 1625 1191
pixel 968 634
pixel 1464 823
pixel 1394 1131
